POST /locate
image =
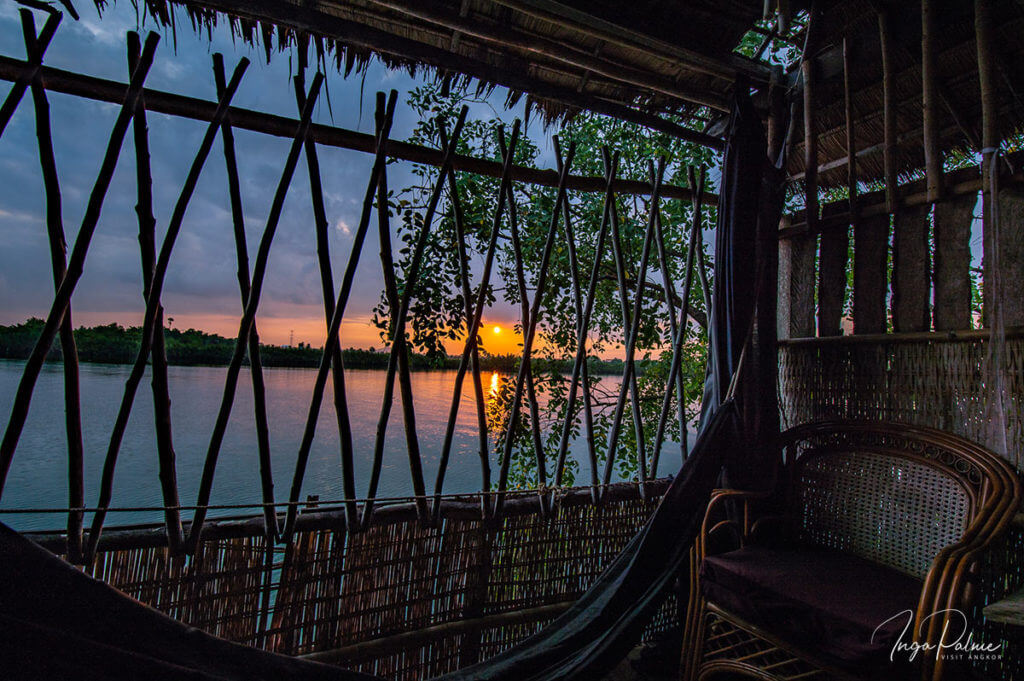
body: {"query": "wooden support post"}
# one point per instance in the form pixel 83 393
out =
pixel 1011 255
pixel 870 256
pixel 994 257
pixel 889 112
pixel 832 261
pixel 797 255
pixel 911 267
pixel 930 100
pixel 952 220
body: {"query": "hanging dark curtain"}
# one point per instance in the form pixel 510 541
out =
pixel 60 623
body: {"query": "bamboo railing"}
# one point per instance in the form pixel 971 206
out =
pixel 365 582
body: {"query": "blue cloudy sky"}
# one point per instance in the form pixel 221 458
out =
pixel 201 289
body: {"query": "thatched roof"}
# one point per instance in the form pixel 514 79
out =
pixel 669 65
pixel 633 60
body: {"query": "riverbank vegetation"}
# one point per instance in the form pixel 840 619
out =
pixel 116 344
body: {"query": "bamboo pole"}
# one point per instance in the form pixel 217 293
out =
pixel 147 247
pixel 673 328
pixel 889 111
pixel 629 380
pixel 984 36
pixel 682 325
pixel 57 80
pixel 398 344
pixel 580 373
pixel 323 253
pixel 474 327
pixel 398 339
pixel 248 317
pixel 58 250
pixel 851 133
pixel 76 263
pixel 259 391
pixel 524 309
pixel 29 72
pixel 385 117
pixel 529 334
pixel 810 144
pixel 152 307
pixel 474 357
pixel 930 99
pixel 633 333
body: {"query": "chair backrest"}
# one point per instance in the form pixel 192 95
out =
pixel 890 493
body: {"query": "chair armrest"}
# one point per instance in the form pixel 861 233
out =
pixel 718 497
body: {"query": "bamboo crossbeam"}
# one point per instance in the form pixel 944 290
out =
pixel 66 82
pixel 259 390
pixel 249 315
pixel 76 263
pixel 58 260
pixel 152 309
pixel 147 244
pixel 565 16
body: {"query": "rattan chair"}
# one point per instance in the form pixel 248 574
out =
pixel 868 519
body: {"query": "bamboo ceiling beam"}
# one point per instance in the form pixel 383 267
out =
pixel 67 82
pixel 930 99
pixel 538 45
pixel 316 22
pixel 568 17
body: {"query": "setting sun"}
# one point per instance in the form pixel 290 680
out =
pixel 497 330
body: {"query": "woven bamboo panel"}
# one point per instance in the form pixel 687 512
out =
pixel 218 590
pixel 331 590
pixel 937 384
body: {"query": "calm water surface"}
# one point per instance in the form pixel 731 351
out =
pixel 38 475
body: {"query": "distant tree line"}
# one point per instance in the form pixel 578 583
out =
pixel 116 344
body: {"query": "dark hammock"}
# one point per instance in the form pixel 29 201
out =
pixel 59 623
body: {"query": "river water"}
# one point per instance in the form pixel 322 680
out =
pixel 38 475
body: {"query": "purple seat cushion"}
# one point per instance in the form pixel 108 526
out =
pixel 823 601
